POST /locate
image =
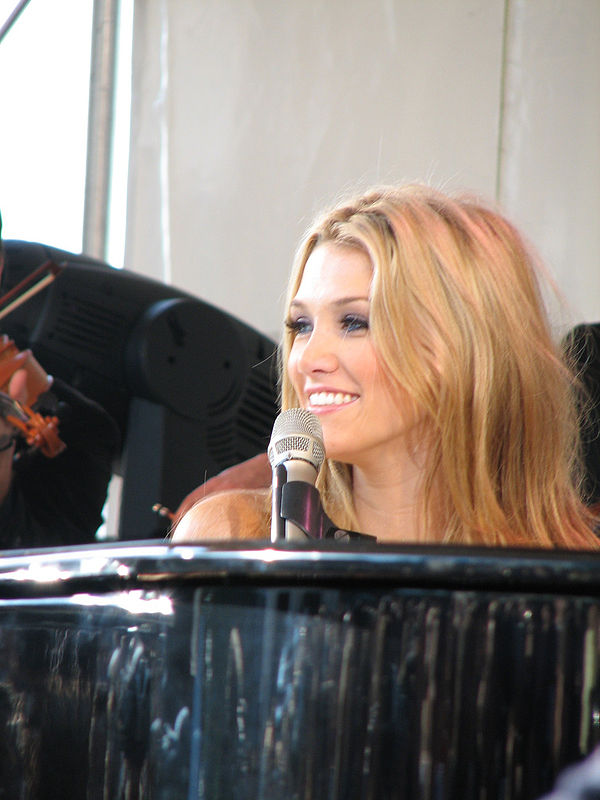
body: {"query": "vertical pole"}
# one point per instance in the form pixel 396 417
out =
pixel 100 127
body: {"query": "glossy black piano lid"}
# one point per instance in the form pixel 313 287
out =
pixel 247 671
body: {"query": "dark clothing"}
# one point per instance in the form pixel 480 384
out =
pixel 583 348
pixel 58 501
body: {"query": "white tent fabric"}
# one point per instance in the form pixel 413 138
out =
pixel 249 115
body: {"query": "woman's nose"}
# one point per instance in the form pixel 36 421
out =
pixel 318 353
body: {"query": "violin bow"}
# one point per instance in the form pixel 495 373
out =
pixel 28 287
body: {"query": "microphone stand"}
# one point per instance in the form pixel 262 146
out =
pixel 301 505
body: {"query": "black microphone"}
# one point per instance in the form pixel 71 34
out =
pixel 296 452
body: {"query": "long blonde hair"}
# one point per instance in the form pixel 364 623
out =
pixel 459 325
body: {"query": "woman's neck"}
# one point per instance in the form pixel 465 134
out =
pixel 387 501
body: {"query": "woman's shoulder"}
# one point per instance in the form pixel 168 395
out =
pixel 231 514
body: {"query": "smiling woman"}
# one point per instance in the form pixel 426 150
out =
pixel 367 420
pixel 417 333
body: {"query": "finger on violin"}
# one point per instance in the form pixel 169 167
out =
pixel 38 380
pixel 8 367
pixel 17 387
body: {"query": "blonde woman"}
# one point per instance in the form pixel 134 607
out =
pixel 416 332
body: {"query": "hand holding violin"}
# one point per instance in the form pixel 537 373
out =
pixel 22 381
pixel 21 375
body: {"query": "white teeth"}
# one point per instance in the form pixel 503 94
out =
pixel 330 398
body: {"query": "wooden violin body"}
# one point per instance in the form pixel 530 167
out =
pixel 38 431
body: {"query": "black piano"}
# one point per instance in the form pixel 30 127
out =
pixel 247 671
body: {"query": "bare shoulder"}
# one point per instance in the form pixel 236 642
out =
pixel 233 514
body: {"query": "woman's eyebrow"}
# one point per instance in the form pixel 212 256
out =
pixel 341 301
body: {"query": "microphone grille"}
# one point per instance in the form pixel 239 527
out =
pixel 297 433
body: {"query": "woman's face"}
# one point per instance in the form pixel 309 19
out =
pixel 333 365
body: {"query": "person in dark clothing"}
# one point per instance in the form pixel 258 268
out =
pixel 54 501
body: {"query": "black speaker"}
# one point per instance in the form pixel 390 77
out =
pixel 192 388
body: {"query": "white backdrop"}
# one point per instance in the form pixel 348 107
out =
pixel 249 115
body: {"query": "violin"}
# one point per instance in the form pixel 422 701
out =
pixel 39 432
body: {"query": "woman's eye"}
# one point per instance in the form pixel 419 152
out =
pixel 354 322
pixel 298 326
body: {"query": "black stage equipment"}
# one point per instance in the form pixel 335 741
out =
pixel 192 388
